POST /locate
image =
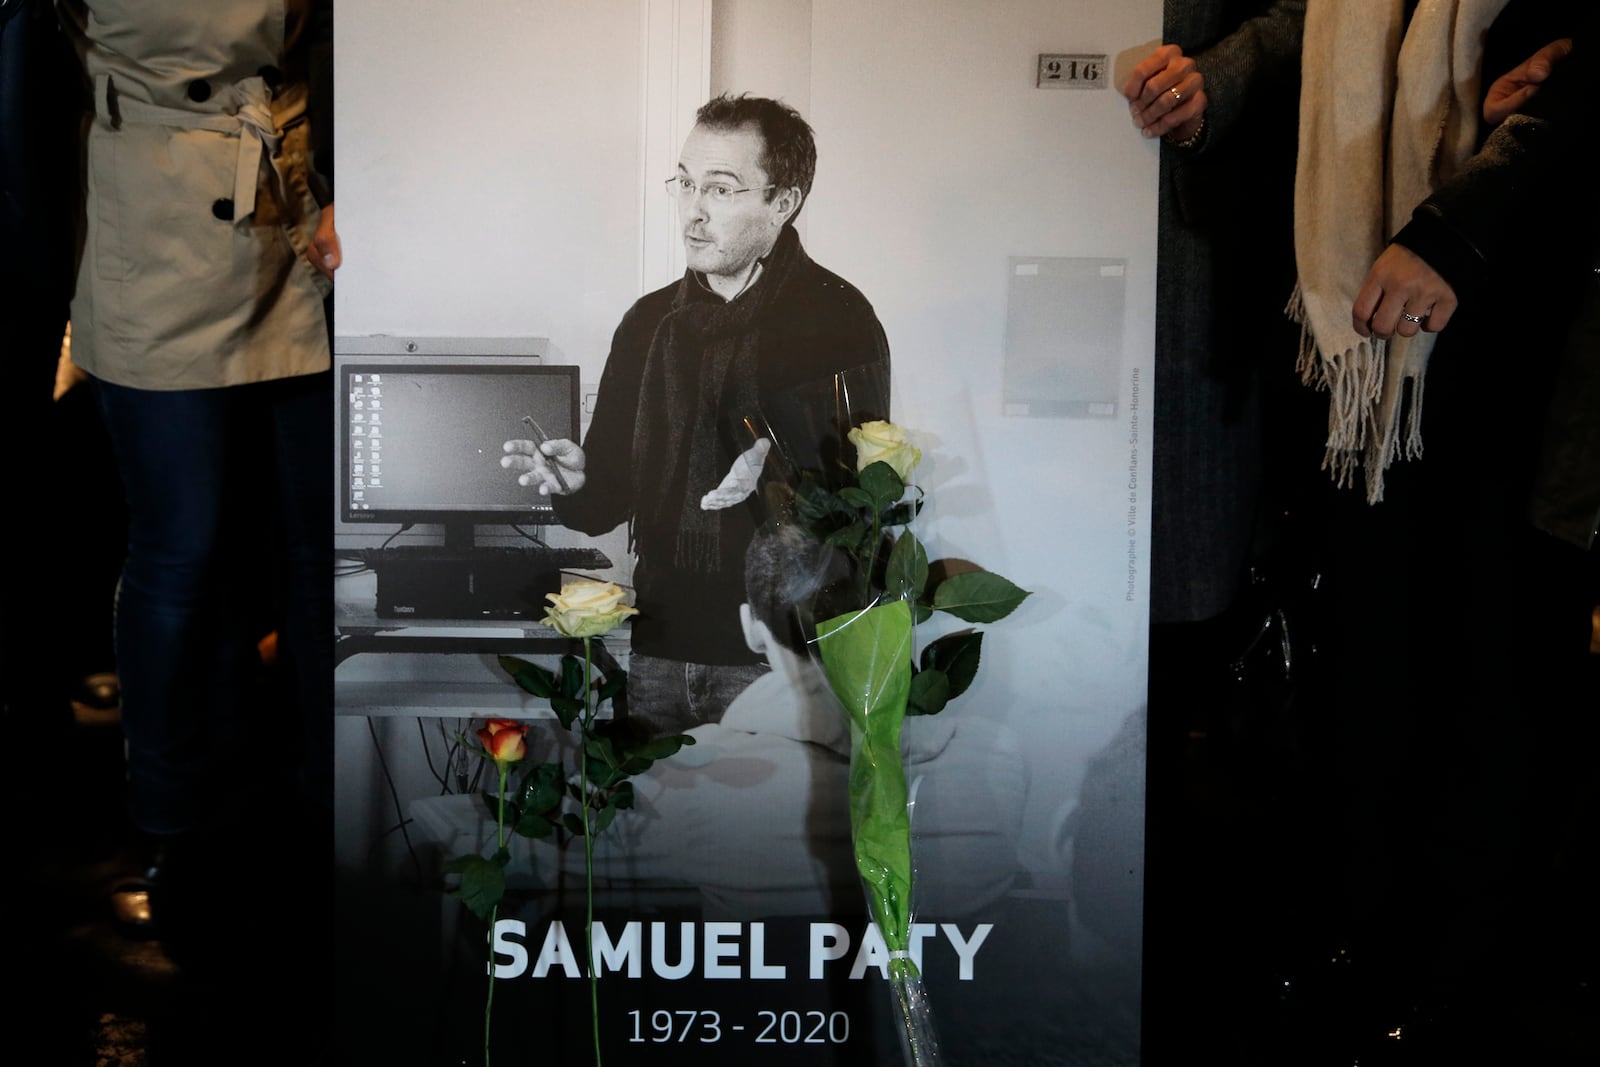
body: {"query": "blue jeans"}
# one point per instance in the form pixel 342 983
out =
pixel 230 536
pixel 670 696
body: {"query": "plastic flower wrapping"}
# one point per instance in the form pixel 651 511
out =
pixel 858 506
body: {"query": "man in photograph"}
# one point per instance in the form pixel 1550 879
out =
pixel 756 358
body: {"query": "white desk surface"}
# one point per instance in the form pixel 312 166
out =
pixel 437 667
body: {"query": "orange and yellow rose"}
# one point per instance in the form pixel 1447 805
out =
pixel 504 740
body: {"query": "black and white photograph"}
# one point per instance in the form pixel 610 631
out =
pixel 747 230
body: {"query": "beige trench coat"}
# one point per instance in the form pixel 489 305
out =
pixel 199 195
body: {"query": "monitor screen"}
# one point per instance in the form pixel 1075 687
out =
pixel 421 441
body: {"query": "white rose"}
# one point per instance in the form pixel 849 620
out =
pixel 587 609
pixel 887 443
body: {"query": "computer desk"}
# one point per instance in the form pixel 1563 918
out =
pixel 436 667
pixel 399 682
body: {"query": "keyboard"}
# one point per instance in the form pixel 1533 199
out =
pixel 537 557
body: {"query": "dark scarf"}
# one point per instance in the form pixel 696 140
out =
pixel 700 377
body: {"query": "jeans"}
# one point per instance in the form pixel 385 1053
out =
pixel 230 536
pixel 669 696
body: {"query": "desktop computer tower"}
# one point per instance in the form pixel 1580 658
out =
pixel 479 586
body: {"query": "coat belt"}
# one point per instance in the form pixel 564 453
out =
pixel 247 115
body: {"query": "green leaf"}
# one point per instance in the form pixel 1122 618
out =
pixel 634 766
pixel 610 686
pixel 857 498
pixel 535 824
pixel 884 485
pixel 930 692
pixel 814 503
pixel 978 596
pixel 530 677
pixel 602 775
pixel 492 802
pixel 461 864
pixel 623 797
pixel 602 749
pixel 907 570
pixel 601 763
pixel 567 709
pixel 573 824
pixel 658 747
pixel 572 677
pixel 957 655
pixel 809 494
pixel 604 817
pixel 483 883
pixel 851 538
pixel 541 789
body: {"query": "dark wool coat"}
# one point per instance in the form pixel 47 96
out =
pixel 1225 269
pixel 1510 207
pixel 814 327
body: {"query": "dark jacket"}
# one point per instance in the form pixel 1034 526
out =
pixel 1225 268
pixel 1529 332
pixel 813 327
pixel 319 81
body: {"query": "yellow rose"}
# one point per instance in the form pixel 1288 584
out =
pixel 885 442
pixel 503 740
pixel 587 609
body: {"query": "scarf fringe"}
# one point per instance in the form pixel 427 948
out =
pixel 1353 379
pixel 698 551
pixel 1413 434
pixel 1406 444
pixel 1306 365
pixel 1374 458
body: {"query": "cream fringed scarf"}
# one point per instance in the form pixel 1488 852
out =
pixel 1382 121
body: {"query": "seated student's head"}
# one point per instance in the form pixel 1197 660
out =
pixel 790 580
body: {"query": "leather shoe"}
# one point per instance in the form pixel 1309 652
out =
pixel 132 896
pixel 163 900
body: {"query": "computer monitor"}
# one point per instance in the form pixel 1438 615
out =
pixel 421 439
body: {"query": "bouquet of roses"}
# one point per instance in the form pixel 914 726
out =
pixel 869 655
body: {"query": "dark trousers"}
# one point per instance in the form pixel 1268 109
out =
pixel 670 696
pixel 229 538
pixel 1461 709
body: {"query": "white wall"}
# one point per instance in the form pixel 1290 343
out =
pixel 489 170
pixel 762 47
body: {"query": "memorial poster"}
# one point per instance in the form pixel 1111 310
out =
pixel 978 184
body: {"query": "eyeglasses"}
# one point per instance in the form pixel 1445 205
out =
pixel 682 188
